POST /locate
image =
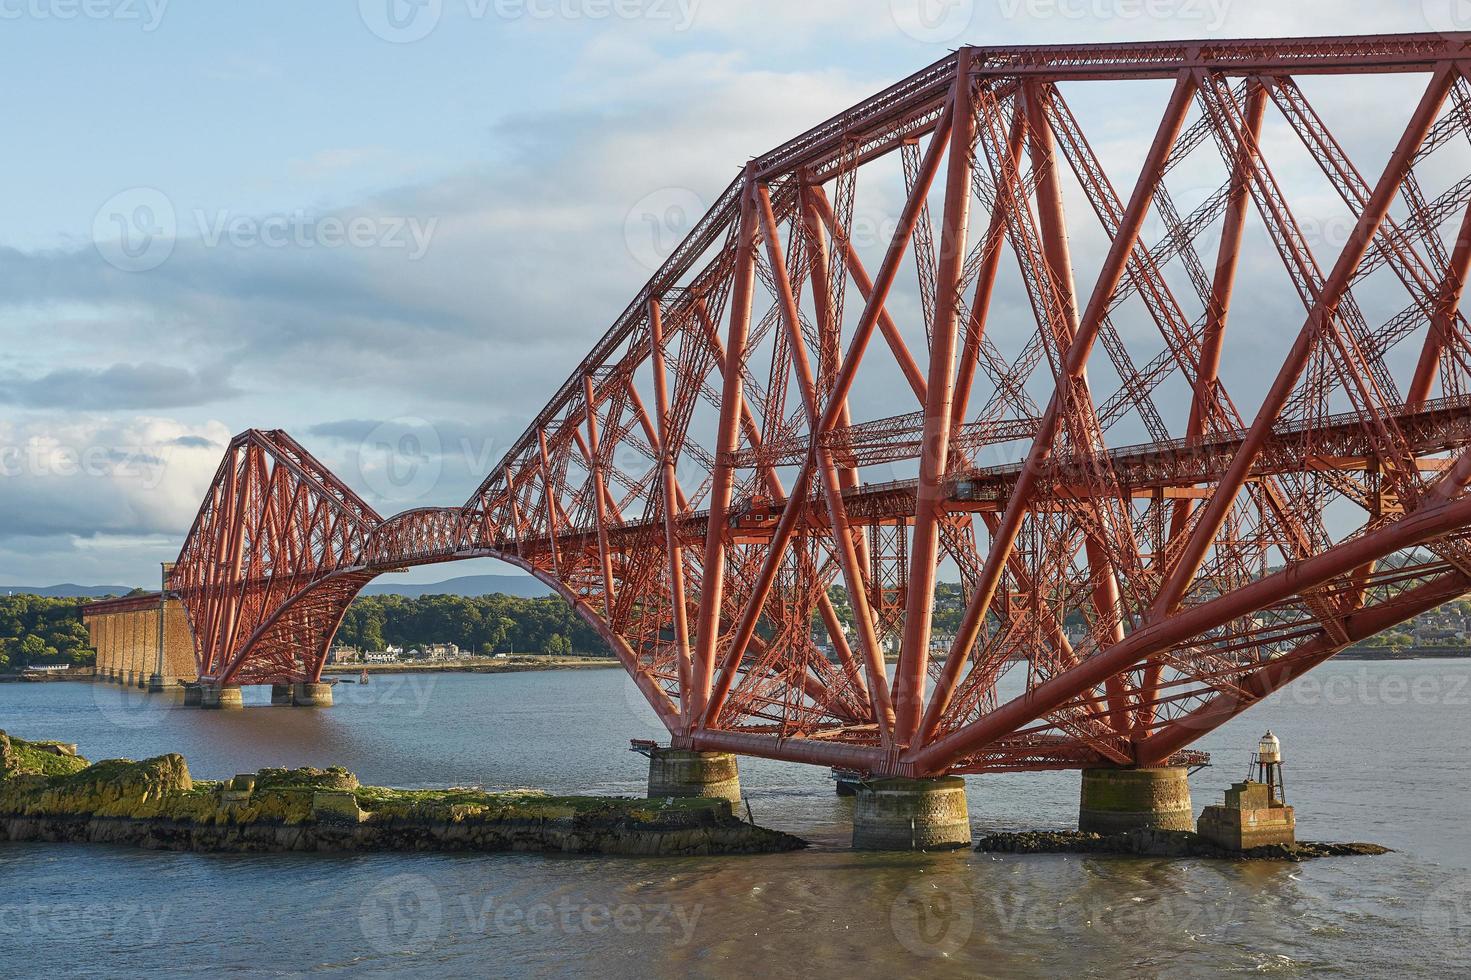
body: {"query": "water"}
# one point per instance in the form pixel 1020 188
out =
pixel 1375 751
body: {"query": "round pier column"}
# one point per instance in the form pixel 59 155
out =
pixel 228 697
pixel 1118 800
pixel 281 694
pixel 911 815
pixel 193 695
pixel 311 695
pixel 680 773
pixel 155 684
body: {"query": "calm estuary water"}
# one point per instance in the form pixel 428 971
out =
pixel 1374 751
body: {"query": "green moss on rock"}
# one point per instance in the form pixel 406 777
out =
pixel 112 788
pixel 155 803
pixel 20 757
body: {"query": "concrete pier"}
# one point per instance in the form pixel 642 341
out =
pixel 155 683
pixel 193 695
pixel 310 694
pixel 911 815
pixel 1117 800
pixel 681 773
pixel 280 694
pixel 227 697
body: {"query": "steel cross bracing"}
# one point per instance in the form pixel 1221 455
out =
pixel 755 484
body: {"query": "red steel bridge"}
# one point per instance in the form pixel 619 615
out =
pixel 754 481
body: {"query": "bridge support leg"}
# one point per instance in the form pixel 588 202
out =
pixel 311 695
pixel 155 683
pixel 682 773
pixel 193 695
pixel 281 694
pixel 1118 800
pixel 911 815
pixel 228 697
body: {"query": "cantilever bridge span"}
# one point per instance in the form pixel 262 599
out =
pixel 754 481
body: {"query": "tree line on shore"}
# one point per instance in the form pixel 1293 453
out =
pixel 42 630
pixel 485 624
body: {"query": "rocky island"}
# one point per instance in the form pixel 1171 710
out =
pixel 49 793
pixel 1161 843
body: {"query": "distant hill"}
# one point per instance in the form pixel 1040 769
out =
pixel 67 591
pixel 523 586
pixel 468 585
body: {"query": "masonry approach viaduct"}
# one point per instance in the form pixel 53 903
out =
pixel 773 416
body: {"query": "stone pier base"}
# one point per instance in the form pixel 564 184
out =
pixel 310 694
pixel 681 773
pixel 1250 817
pixel 227 697
pixel 281 694
pixel 911 815
pixel 193 695
pixel 1117 800
pixel 155 684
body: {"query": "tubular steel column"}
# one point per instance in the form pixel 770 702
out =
pixel 1220 503
pixel 1004 539
pixel 909 678
pixel 712 591
pixel 667 489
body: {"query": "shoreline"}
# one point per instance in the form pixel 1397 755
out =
pixel 509 666
pixel 531 662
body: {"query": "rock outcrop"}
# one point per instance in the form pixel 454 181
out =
pixel 1161 843
pixel 156 804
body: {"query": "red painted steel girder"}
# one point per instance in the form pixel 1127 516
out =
pixel 755 482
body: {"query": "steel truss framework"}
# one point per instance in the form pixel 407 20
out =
pixel 701 488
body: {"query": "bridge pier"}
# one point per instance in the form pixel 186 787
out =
pixel 911 815
pixel 228 697
pixel 1117 800
pixel 193 695
pixel 682 773
pixel 155 683
pixel 311 694
pixel 280 695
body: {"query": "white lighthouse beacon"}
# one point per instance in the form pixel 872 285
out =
pixel 1267 766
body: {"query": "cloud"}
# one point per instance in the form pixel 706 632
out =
pixel 131 386
pixel 89 477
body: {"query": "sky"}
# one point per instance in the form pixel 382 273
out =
pixel 393 227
